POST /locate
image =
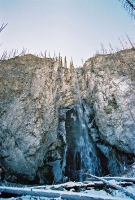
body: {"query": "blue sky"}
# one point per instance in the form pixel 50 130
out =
pixel 75 28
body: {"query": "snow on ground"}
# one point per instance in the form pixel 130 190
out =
pixel 60 187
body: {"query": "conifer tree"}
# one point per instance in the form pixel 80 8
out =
pixel 60 60
pixel 65 62
pixel 45 53
pixel 61 64
pixel 71 64
pixel 54 57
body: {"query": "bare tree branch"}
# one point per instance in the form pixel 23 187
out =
pixel 129 5
pixel 112 185
pixel 2 27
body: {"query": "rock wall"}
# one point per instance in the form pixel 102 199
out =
pixel 36 95
pixel 112 88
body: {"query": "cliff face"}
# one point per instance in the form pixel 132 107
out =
pixel 112 89
pixel 39 116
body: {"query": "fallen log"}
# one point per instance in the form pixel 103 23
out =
pixel 109 184
pixel 86 185
pixel 54 194
pixel 71 185
pixel 113 178
pixel 79 185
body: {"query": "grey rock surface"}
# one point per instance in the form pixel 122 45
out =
pixel 35 95
pixel 112 89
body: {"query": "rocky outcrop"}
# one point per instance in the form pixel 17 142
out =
pixel 38 101
pixel 112 89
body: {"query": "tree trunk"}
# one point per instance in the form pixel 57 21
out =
pixel 53 194
pixel 114 186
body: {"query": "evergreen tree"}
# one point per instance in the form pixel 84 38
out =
pixel 65 62
pixel 54 57
pixel 45 54
pixel 60 60
pixel 71 64
pixel 61 64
